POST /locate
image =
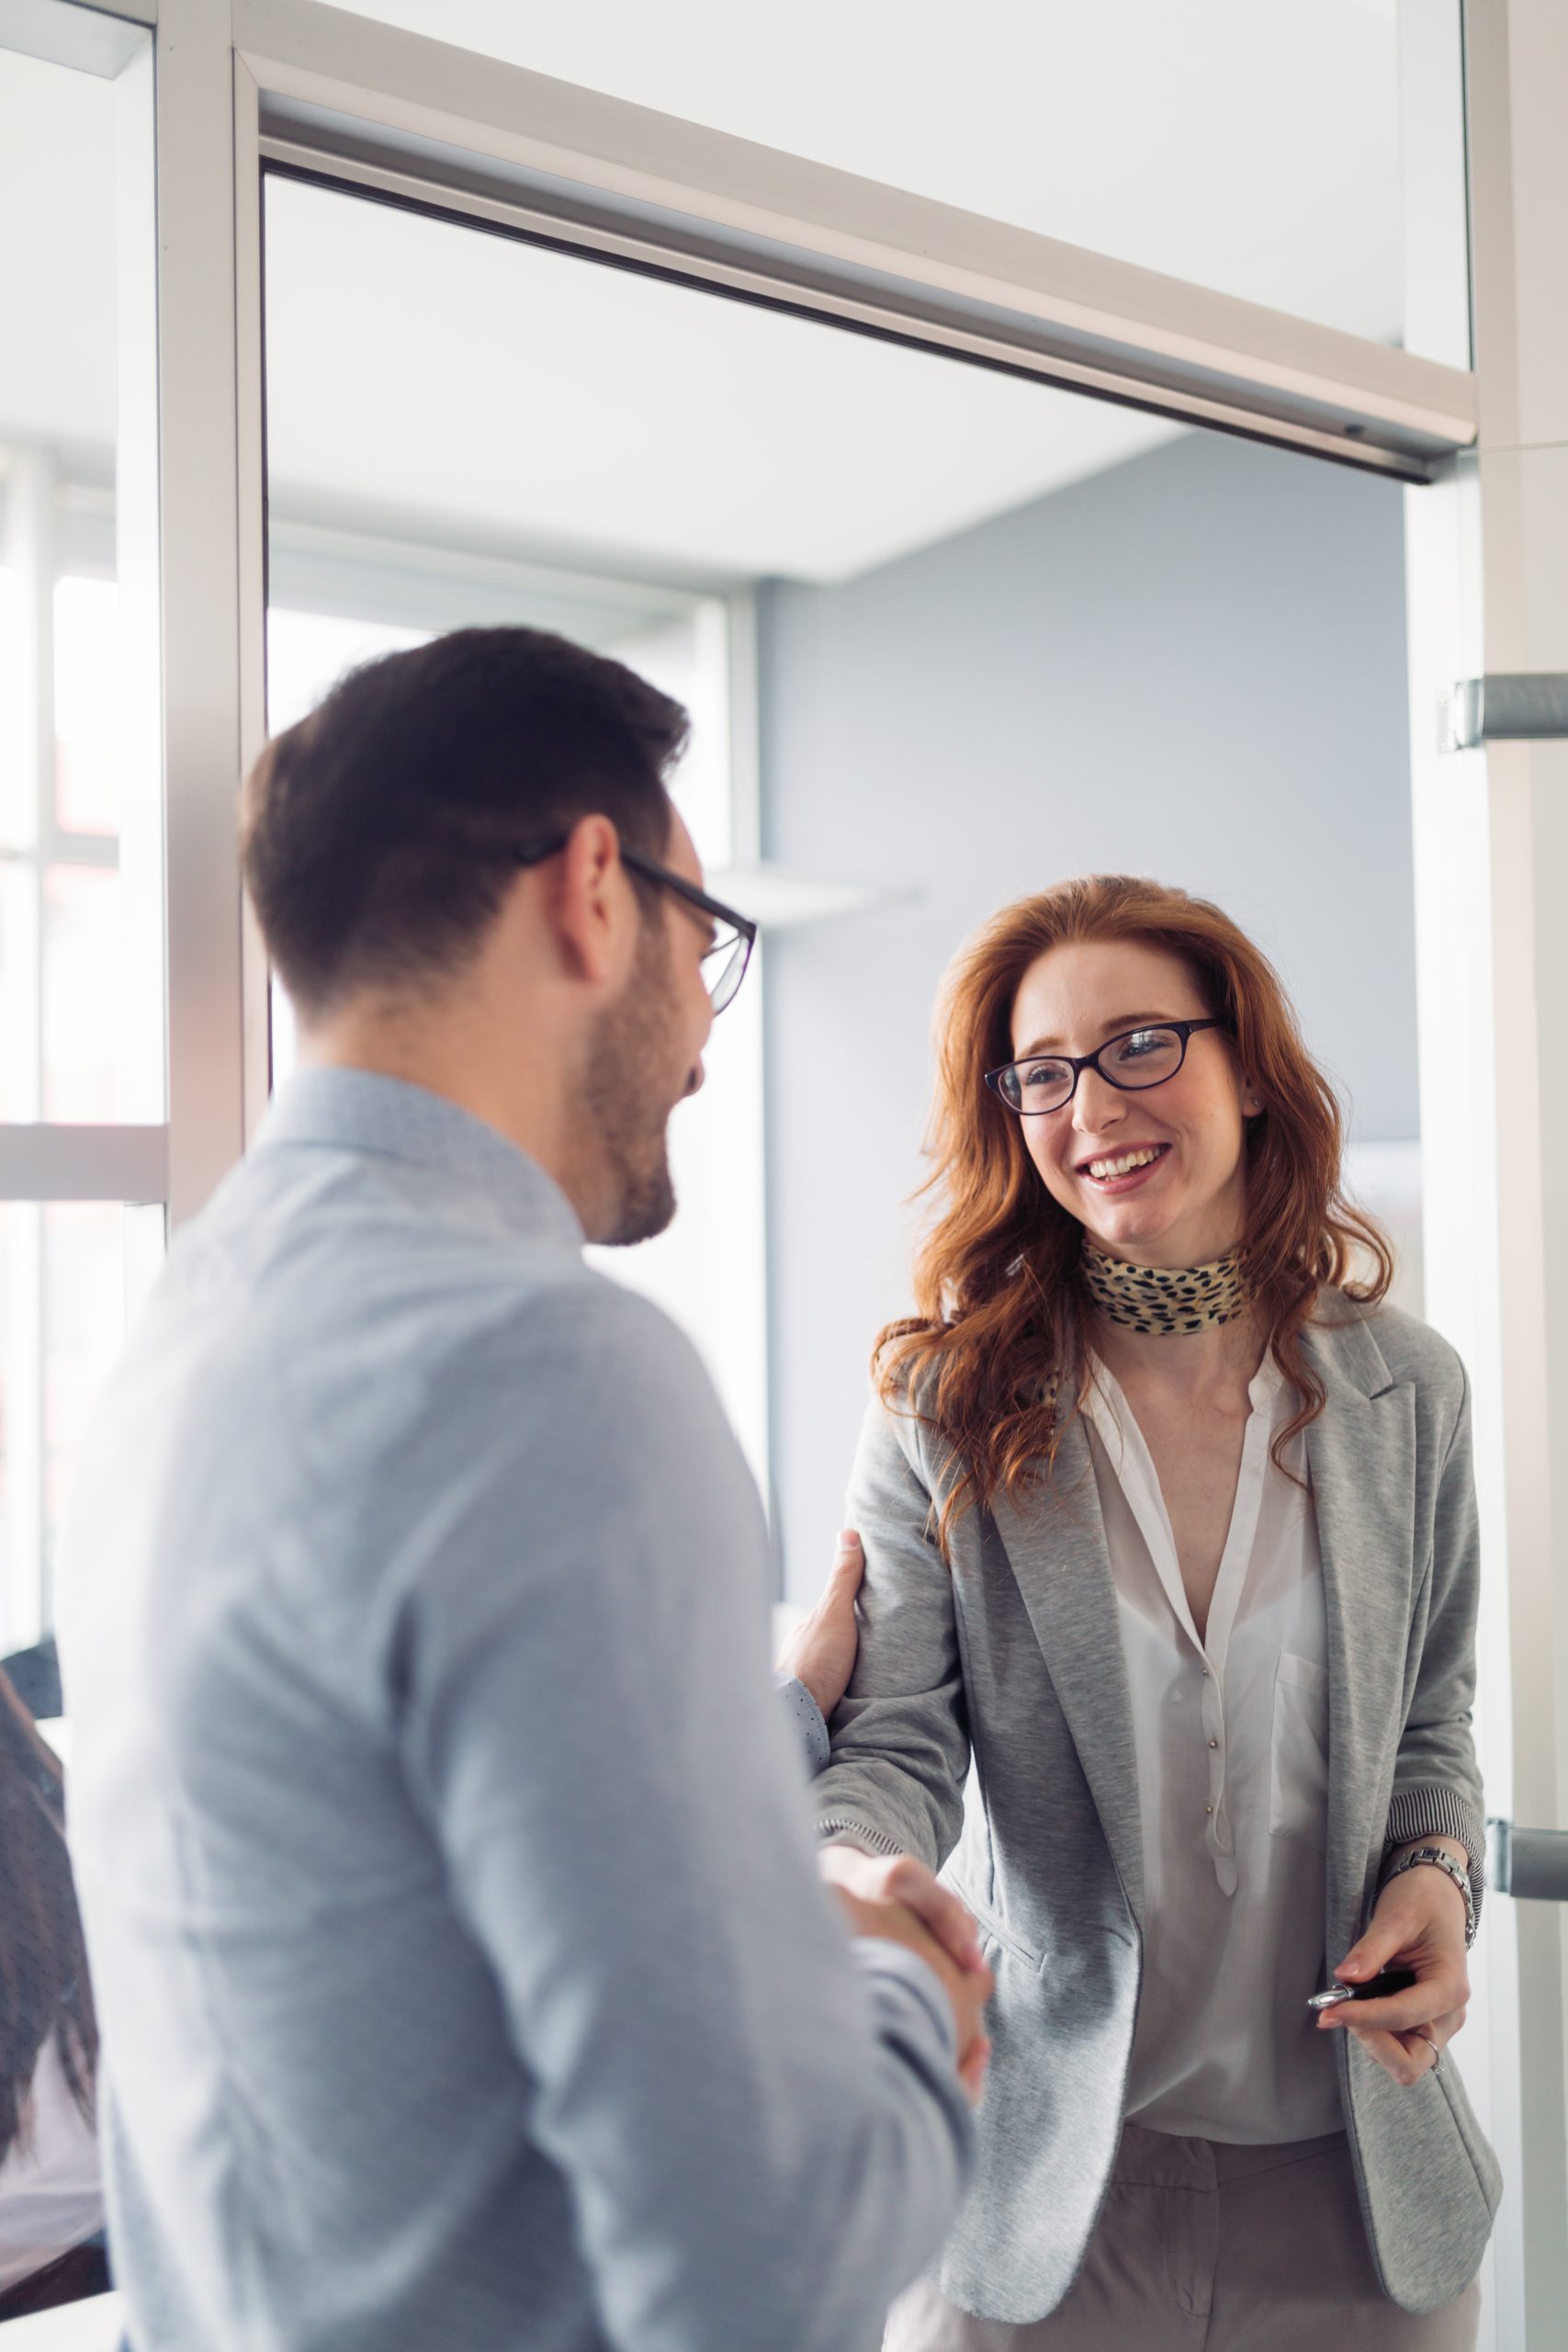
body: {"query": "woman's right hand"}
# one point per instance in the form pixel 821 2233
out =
pixel 896 1896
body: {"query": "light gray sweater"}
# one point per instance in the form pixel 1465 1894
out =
pixel 466 1978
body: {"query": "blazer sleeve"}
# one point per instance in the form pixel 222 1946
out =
pixel 1437 1784
pixel 901 1737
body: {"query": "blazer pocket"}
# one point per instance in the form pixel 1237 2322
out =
pixel 992 1932
pixel 1298 1758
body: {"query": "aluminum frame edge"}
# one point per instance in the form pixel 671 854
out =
pixel 367 95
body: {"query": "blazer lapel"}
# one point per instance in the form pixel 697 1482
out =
pixel 1057 1551
pixel 1361 1458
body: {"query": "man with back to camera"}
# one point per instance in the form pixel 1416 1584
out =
pixel 465 1976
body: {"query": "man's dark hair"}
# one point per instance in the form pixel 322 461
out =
pixel 378 832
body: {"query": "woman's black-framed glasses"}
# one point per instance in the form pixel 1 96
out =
pixel 734 936
pixel 1137 1058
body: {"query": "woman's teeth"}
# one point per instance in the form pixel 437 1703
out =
pixel 1104 1169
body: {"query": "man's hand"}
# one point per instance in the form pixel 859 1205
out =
pixel 1418 1923
pixel 821 1652
pixel 897 1897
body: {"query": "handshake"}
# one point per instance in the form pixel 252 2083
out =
pixel 894 1897
pixel 898 1898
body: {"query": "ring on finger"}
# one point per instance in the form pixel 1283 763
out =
pixel 1436 2054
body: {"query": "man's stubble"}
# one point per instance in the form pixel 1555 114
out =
pixel 628 1093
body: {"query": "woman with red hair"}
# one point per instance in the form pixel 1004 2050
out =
pixel 1167 1655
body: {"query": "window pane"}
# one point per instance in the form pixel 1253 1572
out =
pixel 18 780
pixel 72 1274
pixel 81 994
pixel 307 653
pixel 86 709
pixel 81 848
pixel 20 1037
pixel 1251 148
pixel 64 1050
pixel 57 258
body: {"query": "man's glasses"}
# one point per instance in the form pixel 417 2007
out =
pixel 734 936
pixel 1138 1058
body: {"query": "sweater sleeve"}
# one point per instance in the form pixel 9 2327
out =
pixel 1437 1782
pixel 901 1737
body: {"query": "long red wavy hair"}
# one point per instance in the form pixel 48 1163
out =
pixel 994 1358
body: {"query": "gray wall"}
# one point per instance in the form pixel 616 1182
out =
pixel 1193 667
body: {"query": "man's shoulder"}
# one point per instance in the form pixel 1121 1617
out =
pixel 576 1322
pixel 355 1324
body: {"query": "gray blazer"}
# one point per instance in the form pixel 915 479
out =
pixel 1013 1661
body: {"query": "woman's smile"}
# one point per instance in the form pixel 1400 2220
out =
pixel 1128 1169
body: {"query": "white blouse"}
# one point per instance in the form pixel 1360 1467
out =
pixel 50 2195
pixel 1232 1743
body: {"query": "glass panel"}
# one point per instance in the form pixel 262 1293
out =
pixel 570 494
pixel 20 1034
pixel 72 1275
pixel 749 445
pixel 80 993
pixel 81 859
pixel 86 742
pixel 18 782
pixel 1253 149
pixel 308 652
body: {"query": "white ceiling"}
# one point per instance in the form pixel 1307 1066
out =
pixel 437 383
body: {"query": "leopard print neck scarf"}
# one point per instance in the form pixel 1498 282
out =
pixel 1159 1298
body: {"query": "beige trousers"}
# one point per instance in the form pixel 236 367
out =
pixel 1203 2247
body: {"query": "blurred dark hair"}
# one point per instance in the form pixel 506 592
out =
pixel 44 1987
pixel 377 831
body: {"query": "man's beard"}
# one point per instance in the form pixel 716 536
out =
pixel 628 1097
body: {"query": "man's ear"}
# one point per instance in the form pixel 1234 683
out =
pixel 590 904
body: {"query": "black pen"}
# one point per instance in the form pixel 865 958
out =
pixel 1376 1988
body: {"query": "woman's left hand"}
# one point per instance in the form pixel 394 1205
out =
pixel 1419 1924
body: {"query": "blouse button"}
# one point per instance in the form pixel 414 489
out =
pixel 1208 1808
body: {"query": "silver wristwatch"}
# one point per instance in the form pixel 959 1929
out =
pixel 1435 1859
